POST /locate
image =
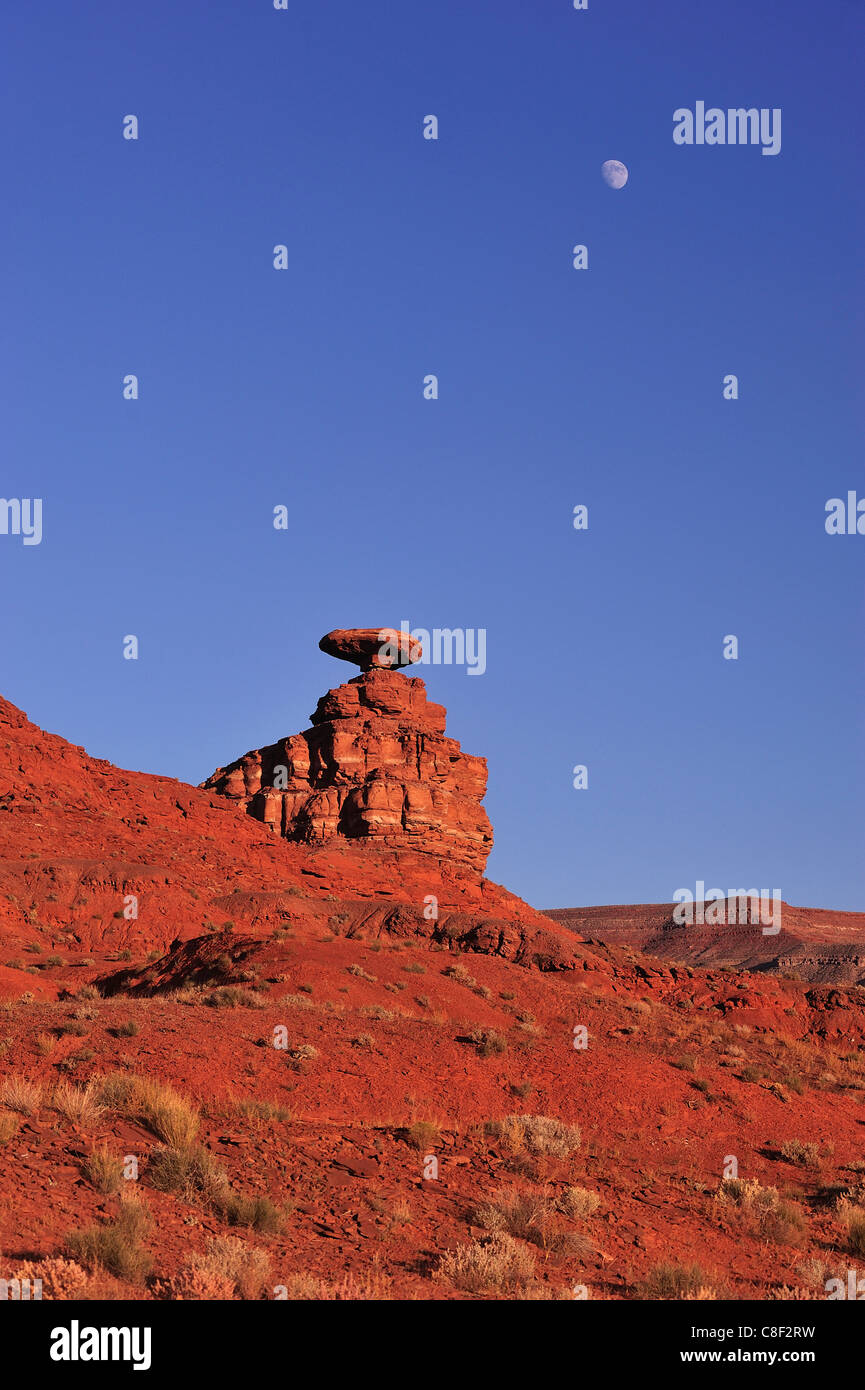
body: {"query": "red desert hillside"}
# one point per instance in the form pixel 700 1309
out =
pixel 278 1036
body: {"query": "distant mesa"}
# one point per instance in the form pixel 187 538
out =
pixel 372 647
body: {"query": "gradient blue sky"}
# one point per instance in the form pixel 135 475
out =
pixel 556 387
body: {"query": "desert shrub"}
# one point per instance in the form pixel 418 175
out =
pixel 105 1170
pixel 369 1287
pixel 361 974
pixel 806 1155
pixel 9 1126
pixel 195 1286
pixel 669 1281
pixel 192 1172
pixel 297 1001
pixel 127 1029
pixel 539 1134
pixel 687 1062
pixel 752 1074
pixel 195 1175
pixel 259 1213
pixel 461 975
pixel 78 1104
pixel 304 1287
pixel 423 1134
pixel 377 1012
pixel 414 967
pixel 232 997
pixel 489 1042
pixel 231 1259
pixel 170 1116
pixel 794 1083
pixel 75 1027
pixel 852 1217
pixel 531 1217
pixel 20 1094
pixel 300 1057
pixel 61 1279
pixel 579 1202
pixel 762 1210
pixel 115 1245
pixel 496 1261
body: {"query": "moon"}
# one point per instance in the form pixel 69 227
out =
pixel 614 173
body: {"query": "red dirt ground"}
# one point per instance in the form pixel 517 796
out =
pixel 240 933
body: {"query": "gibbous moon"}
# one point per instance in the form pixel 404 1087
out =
pixel 614 173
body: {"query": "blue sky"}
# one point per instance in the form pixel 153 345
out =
pixel 557 387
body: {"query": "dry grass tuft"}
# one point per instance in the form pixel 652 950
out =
pixel 78 1104
pixel 105 1170
pixel 170 1116
pixel 20 1094
pixel 668 1281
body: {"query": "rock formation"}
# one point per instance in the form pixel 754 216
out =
pixel 369 647
pixel 375 764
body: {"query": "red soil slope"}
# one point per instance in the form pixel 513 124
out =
pixel 328 1039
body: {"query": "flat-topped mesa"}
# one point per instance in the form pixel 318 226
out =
pixel 376 764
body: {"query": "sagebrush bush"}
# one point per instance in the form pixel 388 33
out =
pixel 115 1245
pixel 579 1202
pixel 762 1210
pixel 226 1258
pixel 806 1155
pixel 493 1262
pixel 539 1134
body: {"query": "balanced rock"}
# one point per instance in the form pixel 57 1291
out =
pixel 376 764
pixel 371 647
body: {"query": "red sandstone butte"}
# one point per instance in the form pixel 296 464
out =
pixel 376 764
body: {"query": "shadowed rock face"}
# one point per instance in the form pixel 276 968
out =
pixel 375 764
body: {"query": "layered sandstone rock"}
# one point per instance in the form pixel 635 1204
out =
pixel 376 763
pixel 368 647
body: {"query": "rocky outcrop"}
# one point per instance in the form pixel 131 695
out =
pixel 369 647
pixel 376 764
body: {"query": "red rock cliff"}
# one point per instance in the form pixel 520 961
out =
pixel 376 763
